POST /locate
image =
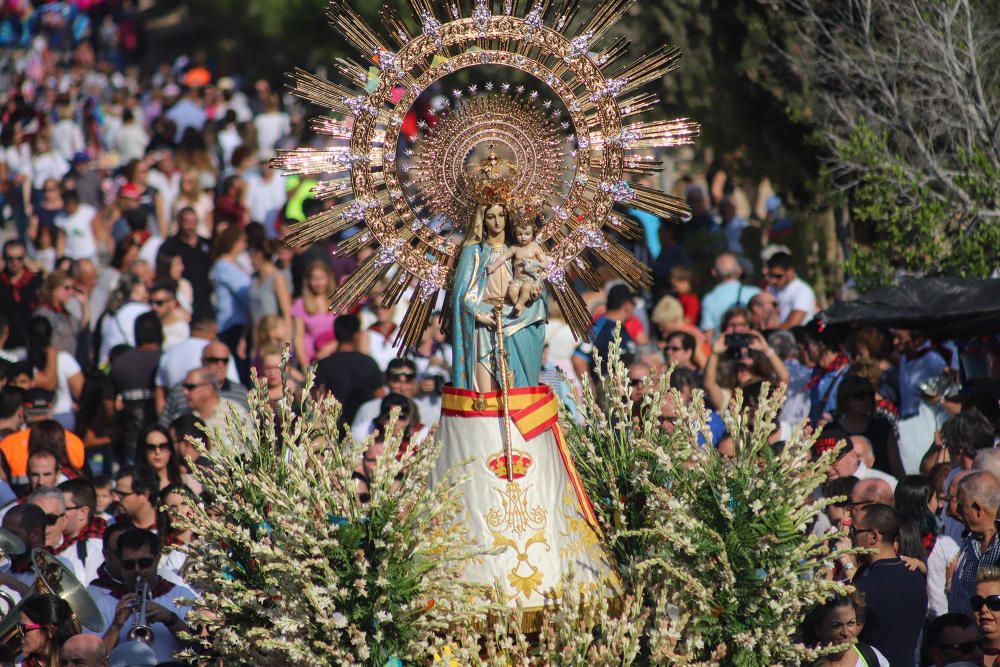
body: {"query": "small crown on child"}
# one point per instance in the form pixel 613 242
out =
pixel 492 179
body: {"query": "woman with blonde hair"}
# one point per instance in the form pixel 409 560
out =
pixel 311 318
pixel 192 195
pixel 986 610
pixel 56 292
pixel 668 318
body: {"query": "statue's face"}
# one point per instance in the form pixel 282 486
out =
pixel 495 221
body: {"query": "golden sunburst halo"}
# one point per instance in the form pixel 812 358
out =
pixel 392 194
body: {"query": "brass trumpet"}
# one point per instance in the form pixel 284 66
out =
pixel 141 631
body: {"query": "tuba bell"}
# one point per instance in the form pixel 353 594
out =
pixel 56 579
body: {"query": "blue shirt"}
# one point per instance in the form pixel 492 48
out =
pixel 721 298
pixel 232 295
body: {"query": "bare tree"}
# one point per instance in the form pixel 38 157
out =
pixel 924 71
pixel 906 94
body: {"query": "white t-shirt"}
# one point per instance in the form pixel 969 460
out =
pixel 79 231
pixel 119 327
pixel 945 550
pixel 67 138
pixel 150 249
pixel 66 367
pixel 797 295
pixel 265 198
pixel 84 570
pixel 183 358
pixel 271 126
pixel 175 333
pixel 46 166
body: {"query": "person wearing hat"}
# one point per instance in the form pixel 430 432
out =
pixel 848 463
pixel 37 406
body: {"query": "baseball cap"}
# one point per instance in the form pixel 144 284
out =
pixel 129 191
pixel 37 402
pixel 828 439
pixel 81 156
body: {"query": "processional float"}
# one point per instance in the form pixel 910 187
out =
pixel 486 153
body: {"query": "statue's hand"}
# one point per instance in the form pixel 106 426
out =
pixel 486 320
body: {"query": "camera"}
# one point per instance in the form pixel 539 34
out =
pixel 738 345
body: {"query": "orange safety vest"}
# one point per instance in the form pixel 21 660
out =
pixel 15 448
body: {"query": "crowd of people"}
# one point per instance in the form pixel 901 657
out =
pixel 145 277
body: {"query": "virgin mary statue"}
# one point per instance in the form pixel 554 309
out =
pixel 524 502
pixel 475 292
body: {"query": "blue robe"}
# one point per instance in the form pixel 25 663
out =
pixel 524 335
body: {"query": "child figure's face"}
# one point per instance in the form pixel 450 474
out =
pixel 523 235
pixel 681 285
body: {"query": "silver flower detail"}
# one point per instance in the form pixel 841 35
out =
pixel 580 45
pixel 481 15
pixel 431 27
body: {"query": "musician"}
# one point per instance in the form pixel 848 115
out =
pixel 51 500
pixel 28 523
pixel 137 490
pixel 84 529
pixel 139 552
pixel 109 574
pixel 46 623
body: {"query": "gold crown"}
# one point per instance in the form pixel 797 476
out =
pixel 520 463
pixel 491 180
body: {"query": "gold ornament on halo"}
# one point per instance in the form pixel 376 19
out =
pixel 573 143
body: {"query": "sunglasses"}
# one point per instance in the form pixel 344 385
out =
pixel 406 377
pixel 160 302
pixel 25 628
pixel 673 348
pixel 53 519
pixel 852 531
pixel 13 258
pixel 70 508
pixel 122 494
pixel 992 602
pixel 216 360
pixel 138 563
pixel 635 382
pixel 775 276
pixel 191 386
pixel 161 446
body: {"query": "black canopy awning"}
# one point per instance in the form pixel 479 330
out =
pixel 937 306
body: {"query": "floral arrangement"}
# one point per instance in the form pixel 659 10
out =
pixel 722 545
pixel 295 570
pixel 716 562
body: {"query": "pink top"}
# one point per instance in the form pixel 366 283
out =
pixel 318 328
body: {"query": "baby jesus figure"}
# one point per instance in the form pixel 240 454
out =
pixel 529 265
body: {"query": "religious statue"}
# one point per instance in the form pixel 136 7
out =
pixel 496 204
pixel 483 276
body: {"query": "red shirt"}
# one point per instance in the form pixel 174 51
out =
pixel 692 307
